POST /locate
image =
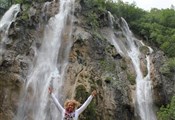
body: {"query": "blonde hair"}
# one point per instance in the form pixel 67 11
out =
pixel 76 103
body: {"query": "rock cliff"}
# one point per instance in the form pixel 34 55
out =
pixel 94 63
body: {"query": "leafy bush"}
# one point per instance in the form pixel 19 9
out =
pixel 28 1
pixel 19 1
pixel 158 28
pixel 169 67
pixel 81 96
pixel 5 3
pixel 167 112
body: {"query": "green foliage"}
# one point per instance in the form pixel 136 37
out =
pixel 167 112
pixel 90 112
pixel 81 96
pixel 131 78
pixel 130 12
pixel 107 66
pixel 19 1
pixel 167 18
pixel 158 27
pixel 81 93
pixel 92 10
pixel 5 3
pixel 99 83
pixel 97 36
pixel 123 65
pixel 24 15
pixel 169 67
pixel 94 4
pixel 171 64
pixel 144 49
pixel 28 1
pixel 92 20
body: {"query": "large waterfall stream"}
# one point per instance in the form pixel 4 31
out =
pixel 48 69
pixel 130 48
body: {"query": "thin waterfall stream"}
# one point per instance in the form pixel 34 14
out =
pixel 130 48
pixel 144 102
pixel 7 19
pixel 48 69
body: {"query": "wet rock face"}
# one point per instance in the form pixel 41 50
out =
pixel 93 64
pixel 88 74
pixel 9 89
pixel 163 83
pixel 24 37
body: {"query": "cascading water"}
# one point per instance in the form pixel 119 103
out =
pixel 6 21
pixel 9 17
pixel 49 68
pixel 45 9
pixel 130 48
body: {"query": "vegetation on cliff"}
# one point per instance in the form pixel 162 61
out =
pixel 167 112
pixel 156 27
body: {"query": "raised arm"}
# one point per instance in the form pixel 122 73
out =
pixel 86 103
pixel 58 105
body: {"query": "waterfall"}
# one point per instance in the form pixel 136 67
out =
pixel 45 9
pixel 7 19
pixel 129 47
pixel 48 69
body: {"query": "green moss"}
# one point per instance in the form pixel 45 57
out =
pixel 109 48
pixel 164 69
pixel 99 83
pixel 168 68
pixel 19 1
pixel 92 20
pixel 107 66
pixel 96 35
pixel 131 78
pixel 167 112
pixel 92 9
pixel 89 113
pixel 27 1
pixel 93 87
pixel 144 49
pixel 24 14
pixel 81 96
pixel 123 64
pixel 81 93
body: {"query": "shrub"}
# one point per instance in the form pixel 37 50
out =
pixel 167 112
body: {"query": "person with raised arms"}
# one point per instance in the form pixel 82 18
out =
pixel 69 112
